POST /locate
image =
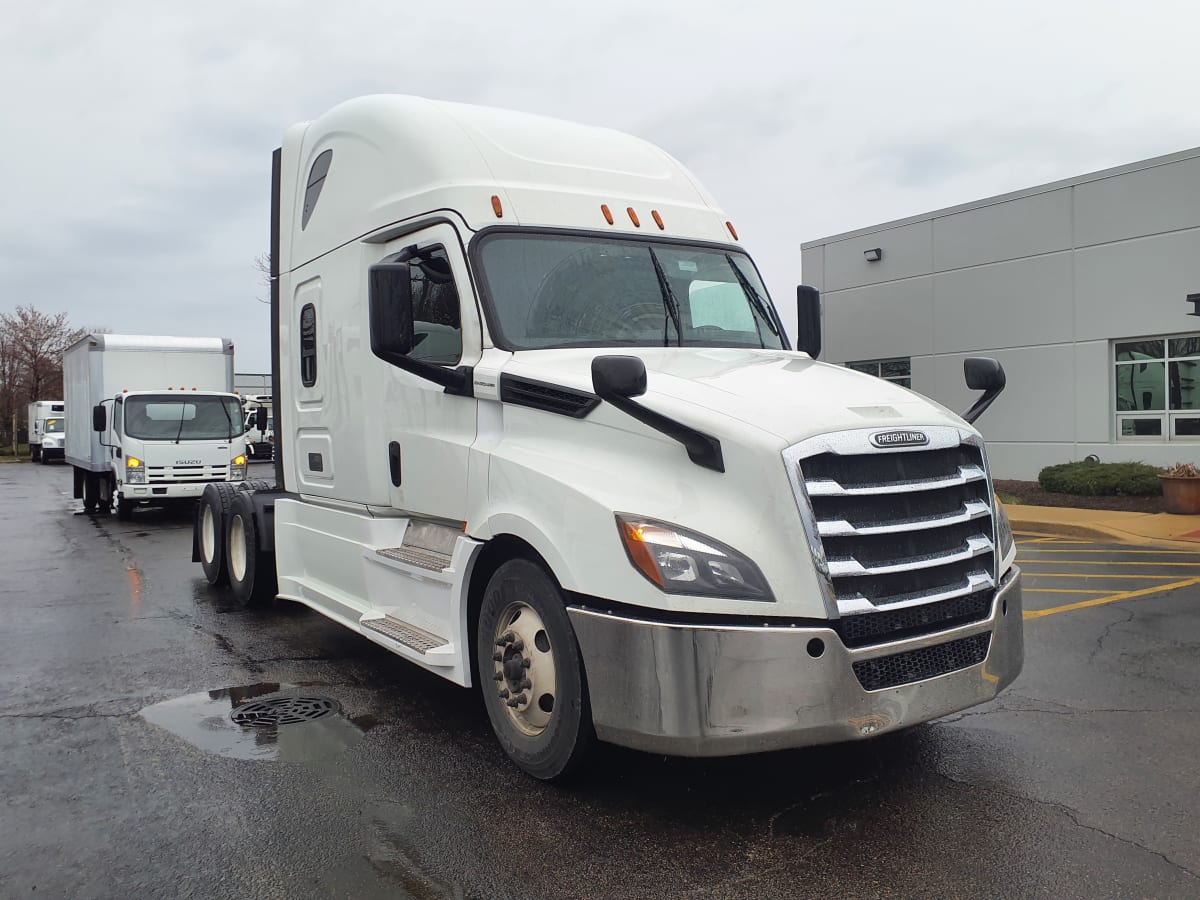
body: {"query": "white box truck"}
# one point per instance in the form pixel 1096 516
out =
pixel 47 430
pixel 539 429
pixel 156 419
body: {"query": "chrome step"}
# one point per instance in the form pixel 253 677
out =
pixel 431 560
pixel 402 633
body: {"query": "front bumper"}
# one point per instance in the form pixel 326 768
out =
pixel 163 491
pixel 711 690
pixel 52 452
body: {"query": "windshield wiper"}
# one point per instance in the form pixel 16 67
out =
pixel 182 413
pixel 669 302
pixel 228 420
pixel 754 297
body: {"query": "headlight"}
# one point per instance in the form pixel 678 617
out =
pixel 237 468
pixel 135 470
pixel 1004 539
pixel 683 562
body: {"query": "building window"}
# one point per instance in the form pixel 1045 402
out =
pixel 1157 395
pixel 897 370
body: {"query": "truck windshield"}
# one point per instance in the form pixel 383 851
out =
pixel 568 291
pixel 55 426
pixel 167 418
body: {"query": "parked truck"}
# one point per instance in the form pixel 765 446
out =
pixel 163 419
pixel 47 430
pixel 540 430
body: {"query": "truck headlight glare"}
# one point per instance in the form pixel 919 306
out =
pixel 135 470
pixel 683 562
pixel 237 468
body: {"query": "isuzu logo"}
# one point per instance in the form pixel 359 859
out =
pixel 187 462
pixel 899 439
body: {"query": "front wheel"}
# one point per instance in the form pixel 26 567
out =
pixel 531 672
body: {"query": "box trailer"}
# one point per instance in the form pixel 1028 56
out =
pixel 156 419
pixel 47 430
pixel 539 429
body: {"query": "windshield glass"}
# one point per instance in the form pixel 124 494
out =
pixel 54 426
pixel 167 418
pixel 568 291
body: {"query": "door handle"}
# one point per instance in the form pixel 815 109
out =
pixel 394 462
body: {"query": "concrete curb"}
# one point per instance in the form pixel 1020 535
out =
pixel 1093 532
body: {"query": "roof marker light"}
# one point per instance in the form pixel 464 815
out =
pixel 633 217
pixel 497 208
pixel 657 219
pixel 607 213
pixel 732 230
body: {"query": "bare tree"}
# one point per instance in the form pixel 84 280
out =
pixel 262 265
pixel 31 350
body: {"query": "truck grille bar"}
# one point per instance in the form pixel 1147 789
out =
pixel 186 474
pixel 905 536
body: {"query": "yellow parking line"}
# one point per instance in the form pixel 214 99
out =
pixel 1028 590
pixel 1089 562
pixel 1113 598
pixel 1046 540
pixel 1155 552
pixel 1094 575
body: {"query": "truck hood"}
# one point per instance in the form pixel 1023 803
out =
pixel 781 392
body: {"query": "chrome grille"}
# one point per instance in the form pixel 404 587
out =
pixel 186 474
pixel 906 536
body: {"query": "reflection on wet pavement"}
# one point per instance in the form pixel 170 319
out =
pixel 204 721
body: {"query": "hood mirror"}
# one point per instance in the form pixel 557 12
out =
pixel 983 374
pixel 808 320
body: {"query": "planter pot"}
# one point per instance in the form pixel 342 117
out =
pixel 1181 495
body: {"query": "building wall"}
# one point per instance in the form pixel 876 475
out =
pixel 1045 280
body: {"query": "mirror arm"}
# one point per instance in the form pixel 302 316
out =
pixel 703 449
pixel 980 406
pixel 456 381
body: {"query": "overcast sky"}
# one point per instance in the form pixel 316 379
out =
pixel 137 135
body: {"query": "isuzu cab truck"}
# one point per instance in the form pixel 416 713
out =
pixel 47 430
pixel 541 432
pixel 163 419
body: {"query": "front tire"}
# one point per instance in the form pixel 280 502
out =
pixel 531 672
pixel 251 571
pixel 124 509
pixel 35 454
pixel 212 517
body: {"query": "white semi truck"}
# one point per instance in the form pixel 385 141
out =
pixel 161 419
pixel 47 430
pixel 539 429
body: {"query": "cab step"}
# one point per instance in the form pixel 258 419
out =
pixel 421 558
pixel 402 633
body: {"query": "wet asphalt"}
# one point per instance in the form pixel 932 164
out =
pixel 121 775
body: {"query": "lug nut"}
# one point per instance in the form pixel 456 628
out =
pixel 519 699
pixel 526 684
pixel 518 645
pixel 504 694
pixel 512 704
pixel 497 657
pixel 526 662
pixel 499 676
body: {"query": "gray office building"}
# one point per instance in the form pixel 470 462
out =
pixel 1080 288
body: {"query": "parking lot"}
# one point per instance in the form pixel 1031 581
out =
pixel 122 775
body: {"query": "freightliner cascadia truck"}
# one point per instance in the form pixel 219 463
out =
pixel 539 430
pixel 155 419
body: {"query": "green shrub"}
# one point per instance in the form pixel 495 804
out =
pixel 1101 479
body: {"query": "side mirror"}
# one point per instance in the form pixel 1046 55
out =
pixel 618 376
pixel 983 374
pixel 99 419
pixel 808 320
pixel 260 418
pixel 389 286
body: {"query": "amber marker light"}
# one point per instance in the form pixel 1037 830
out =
pixel 633 217
pixel 732 230
pixel 607 213
pixel 657 219
pixel 497 207
pixel 639 553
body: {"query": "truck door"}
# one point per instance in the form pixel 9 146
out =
pixel 428 432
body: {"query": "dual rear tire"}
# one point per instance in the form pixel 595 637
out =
pixel 229 547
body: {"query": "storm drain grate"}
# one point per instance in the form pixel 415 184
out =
pixel 284 711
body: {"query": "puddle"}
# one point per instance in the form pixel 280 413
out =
pixel 283 728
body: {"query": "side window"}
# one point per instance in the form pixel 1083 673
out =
pixel 316 181
pixel 308 345
pixel 437 329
